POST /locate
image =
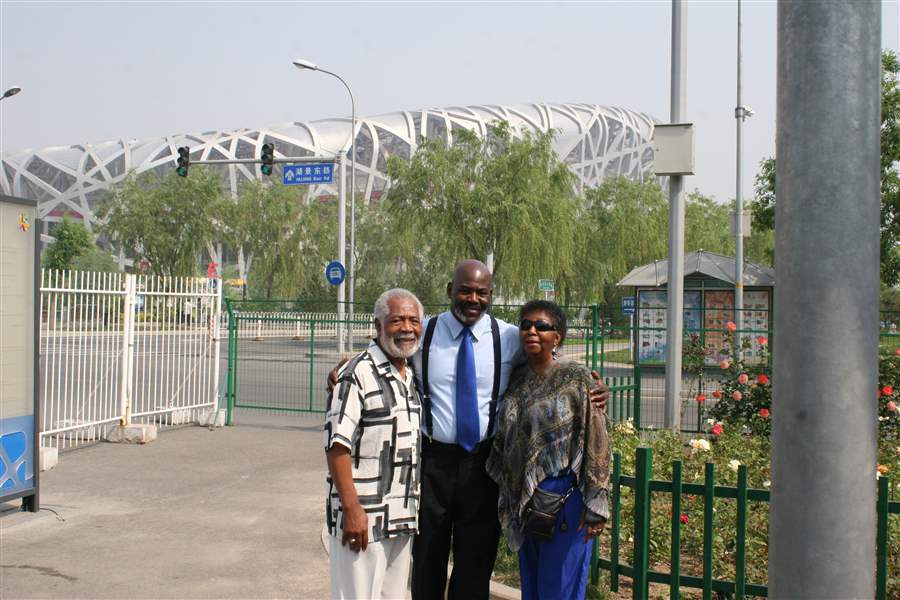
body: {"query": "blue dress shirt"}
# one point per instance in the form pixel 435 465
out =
pixel 442 370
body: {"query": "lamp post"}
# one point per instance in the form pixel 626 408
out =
pixel 351 267
pixel 741 113
pixel 11 92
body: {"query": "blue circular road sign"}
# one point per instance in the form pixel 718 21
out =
pixel 335 273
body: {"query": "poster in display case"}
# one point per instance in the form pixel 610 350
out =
pixel 652 322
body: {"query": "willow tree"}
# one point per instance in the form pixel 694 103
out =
pixel 623 226
pixel 506 194
pixel 264 221
pixel 170 220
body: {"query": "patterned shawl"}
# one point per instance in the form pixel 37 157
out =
pixel 547 425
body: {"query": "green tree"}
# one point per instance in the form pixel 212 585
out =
pixel 763 206
pixel 71 240
pixel 169 220
pixel 505 195
pixel 264 221
pixel 96 259
pixel 623 226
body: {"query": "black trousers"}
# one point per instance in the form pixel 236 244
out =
pixel 458 502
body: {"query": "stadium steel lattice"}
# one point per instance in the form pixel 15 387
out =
pixel 595 141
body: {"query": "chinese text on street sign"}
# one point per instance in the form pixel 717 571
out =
pixel 308 173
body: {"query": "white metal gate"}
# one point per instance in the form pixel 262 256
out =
pixel 119 349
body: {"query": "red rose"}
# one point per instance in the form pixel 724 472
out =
pixel 683 518
pixel 762 379
pixel 762 341
pixel 717 394
pixel 764 413
pixel 717 429
pixel 730 326
pixel 701 398
pixel 887 390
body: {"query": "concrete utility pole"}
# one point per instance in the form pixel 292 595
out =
pixel 822 522
pixel 675 284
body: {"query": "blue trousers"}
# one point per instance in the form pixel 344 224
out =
pixel 557 569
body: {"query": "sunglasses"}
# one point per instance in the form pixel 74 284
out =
pixel 540 325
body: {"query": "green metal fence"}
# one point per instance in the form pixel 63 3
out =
pixel 639 570
pixel 280 354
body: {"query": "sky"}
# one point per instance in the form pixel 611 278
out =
pixel 98 71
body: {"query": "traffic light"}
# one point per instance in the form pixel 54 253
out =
pixel 268 158
pixel 184 161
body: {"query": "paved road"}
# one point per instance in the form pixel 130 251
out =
pixel 231 513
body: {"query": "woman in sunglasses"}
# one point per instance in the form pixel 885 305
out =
pixel 550 459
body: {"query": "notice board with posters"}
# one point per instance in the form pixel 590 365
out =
pixel 19 413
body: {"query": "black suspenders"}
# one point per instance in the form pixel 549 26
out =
pixel 426 390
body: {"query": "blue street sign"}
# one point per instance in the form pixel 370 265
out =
pixel 308 173
pixel 628 305
pixel 335 273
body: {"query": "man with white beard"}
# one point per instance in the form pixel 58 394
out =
pixel 372 444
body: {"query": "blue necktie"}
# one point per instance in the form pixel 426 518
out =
pixel 468 430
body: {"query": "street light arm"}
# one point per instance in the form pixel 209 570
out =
pixel 352 107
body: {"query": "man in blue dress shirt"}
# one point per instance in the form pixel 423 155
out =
pixel 458 371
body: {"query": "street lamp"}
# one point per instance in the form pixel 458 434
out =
pixel 303 64
pixel 11 92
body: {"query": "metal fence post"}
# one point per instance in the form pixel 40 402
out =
pixel 312 350
pixel 643 471
pixel 614 534
pixel 675 554
pixel 881 575
pixel 217 340
pixel 709 500
pixel 125 369
pixel 740 552
pixel 822 530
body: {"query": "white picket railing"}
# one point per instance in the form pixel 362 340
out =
pixel 267 325
pixel 117 349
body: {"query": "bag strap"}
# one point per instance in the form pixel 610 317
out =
pixel 495 391
pixel 426 390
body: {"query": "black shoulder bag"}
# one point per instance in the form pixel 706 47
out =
pixel 541 512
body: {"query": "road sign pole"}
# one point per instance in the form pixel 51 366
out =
pixel 675 280
pixel 341 247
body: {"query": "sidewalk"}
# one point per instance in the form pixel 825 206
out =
pixel 232 513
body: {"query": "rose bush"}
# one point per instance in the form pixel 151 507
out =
pixel 744 395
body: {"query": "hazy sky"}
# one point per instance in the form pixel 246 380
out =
pixel 96 71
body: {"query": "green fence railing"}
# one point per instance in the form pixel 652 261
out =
pixel 639 571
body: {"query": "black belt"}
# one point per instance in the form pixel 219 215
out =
pixel 437 447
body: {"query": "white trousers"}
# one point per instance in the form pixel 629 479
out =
pixel 380 573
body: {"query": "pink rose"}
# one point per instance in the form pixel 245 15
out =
pixel 897 351
pixel 730 326
pixel 724 365
pixel 736 396
pixel 762 341
pixel 891 406
pixel 743 379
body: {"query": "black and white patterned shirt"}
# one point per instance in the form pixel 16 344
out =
pixel 375 413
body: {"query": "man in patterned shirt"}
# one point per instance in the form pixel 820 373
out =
pixel 372 444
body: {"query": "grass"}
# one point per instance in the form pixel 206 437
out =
pixel 623 355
